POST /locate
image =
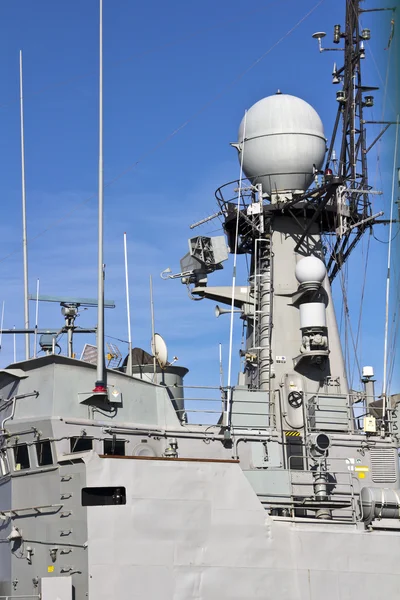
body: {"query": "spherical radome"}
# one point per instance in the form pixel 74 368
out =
pixel 284 139
pixel 310 269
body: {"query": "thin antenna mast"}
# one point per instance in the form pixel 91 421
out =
pixel 101 383
pixel 152 328
pixel 2 323
pixel 128 309
pixel 36 319
pixel 229 401
pixel 221 368
pixel 24 228
pixel 15 346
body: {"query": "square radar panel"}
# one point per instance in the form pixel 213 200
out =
pixel 210 251
pixel 191 264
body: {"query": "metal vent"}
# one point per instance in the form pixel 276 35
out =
pixel 89 354
pixel 383 463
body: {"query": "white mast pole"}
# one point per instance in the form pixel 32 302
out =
pixel 385 350
pixel 15 346
pixel 128 309
pixel 227 420
pixel 221 368
pixel 101 383
pixel 2 323
pixel 24 229
pixel 36 319
pixel 153 329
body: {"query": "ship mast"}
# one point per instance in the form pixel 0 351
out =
pixel 101 382
pixel 296 194
pixel 352 169
pixel 354 217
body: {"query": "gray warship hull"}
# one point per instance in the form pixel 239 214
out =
pixel 197 525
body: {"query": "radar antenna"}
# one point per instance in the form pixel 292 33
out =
pixel 113 356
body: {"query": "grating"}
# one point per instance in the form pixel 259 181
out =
pixel 383 465
pixel 89 354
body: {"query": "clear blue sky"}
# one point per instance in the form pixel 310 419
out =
pixel 164 64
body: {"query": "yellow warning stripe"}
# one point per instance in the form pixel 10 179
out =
pixel 292 433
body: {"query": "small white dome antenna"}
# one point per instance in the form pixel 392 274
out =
pixel 337 36
pixel 319 35
pixel 310 269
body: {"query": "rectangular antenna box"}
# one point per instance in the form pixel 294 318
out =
pixel 328 413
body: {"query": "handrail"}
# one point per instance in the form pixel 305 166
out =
pixel 338 483
pixel 37 596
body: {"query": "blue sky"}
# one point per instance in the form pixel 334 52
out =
pixel 165 64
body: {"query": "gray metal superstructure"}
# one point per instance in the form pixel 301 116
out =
pixel 293 493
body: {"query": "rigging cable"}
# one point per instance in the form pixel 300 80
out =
pixel 385 358
pixel 152 50
pixel 173 133
pixel 348 328
pixel 361 305
pixel 394 341
pixel 345 308
pixel 383 81
pixel 396 274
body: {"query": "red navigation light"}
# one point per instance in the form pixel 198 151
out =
pixel 100 389
pixel 328 172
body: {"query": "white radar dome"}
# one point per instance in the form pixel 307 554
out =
pixel 310 269
pixel 284 139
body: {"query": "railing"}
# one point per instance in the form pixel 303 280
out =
pixel 322 411
pixel 340 492
pixel 228 194
pixel 339 502
pixel 255 407
pixel 37 596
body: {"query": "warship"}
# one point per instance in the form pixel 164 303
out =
pixel 108 487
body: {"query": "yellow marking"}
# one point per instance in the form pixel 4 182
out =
pixel 366 469
pixel 292 433
pixel 361 475
pixel 50 569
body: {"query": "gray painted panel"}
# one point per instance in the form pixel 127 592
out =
pixel 56 588
pixel 270 482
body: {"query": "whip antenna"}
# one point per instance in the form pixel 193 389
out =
pixel 128 309
pixel 101 382
pixel 229 400
pixel 24 227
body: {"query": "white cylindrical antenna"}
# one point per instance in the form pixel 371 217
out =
pixel 227 419
pixel 385 349
pixel 24 228
pixel 101 382
pixel 2 323
pixel 128 309
pixel 15 347
pixel 153 329
pixel 36 319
